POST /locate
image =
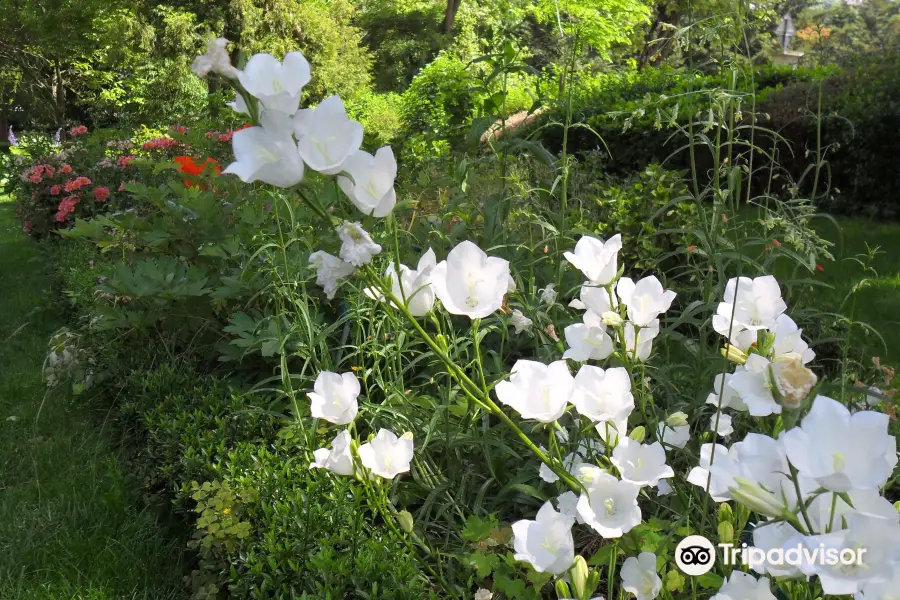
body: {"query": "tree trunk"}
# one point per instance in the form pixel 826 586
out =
pixel 450 14
pixel 58 90
pixel 658 41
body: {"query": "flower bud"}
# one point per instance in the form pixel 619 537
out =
pixel 562 589
pixel 578 575
pixel 754 497
pixel 726 533
pixel 406 521
pixel 734 354
pixel 677 419
pixel 638 434
pixel 612 319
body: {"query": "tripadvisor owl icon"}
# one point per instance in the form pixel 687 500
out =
pixel 695 555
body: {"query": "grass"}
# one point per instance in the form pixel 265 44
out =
pixel 875 301
pixel 71 525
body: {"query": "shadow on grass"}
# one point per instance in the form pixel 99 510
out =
pixel 71 525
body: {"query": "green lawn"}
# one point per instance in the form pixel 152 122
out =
pixel 71 525
pixel 877 302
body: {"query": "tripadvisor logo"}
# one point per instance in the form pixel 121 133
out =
pixel 695 555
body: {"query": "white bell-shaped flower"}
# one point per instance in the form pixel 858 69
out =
pixel 537 391
pixel 889 589
pixel 370 185
pixel 357 246
pixel 720 423
pixel 609 505
pixel 326 136
pixel 276 84
pixel 268 153
pixel 545 543
pixel 386 455
pixel 752 382
pixel 645 300
pixel 588 340
pixel 842 451
pixel 337 459
pixel 329 271
pixel 771 536
pixel 639 340
pixel 729 397
pixel 676 436
pixel 639 576
pixel 750 304
pixel 334 397
pixel 470 282
pixel 789 340
pixel 603 395
pixel 215 59
pixel 415 283
pixel 742 586
pixel 598 260
pixel 643 464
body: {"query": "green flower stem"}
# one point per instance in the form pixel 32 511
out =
pixel 803 512
pixel 471 388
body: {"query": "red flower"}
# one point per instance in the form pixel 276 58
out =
pixel 226 137
pixel 188 166
pixel 80 130
pixel 160 143
pixel 768 247
pixel 35 178
pixel 179 128
pixel 691 248
pixel 211 134
pixel 55 190
pixel 65 169
pixel 76 184
pixel 124 161
pixel 66 208
pixel 820 268
pixel 101 193
pixel 776 242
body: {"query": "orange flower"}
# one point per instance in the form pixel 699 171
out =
pixel 188 166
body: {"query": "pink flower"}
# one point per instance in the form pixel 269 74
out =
pixel 124 161
pixel 27 226
pixel 35 178
pixel 65 169
pixel 101 193
pixel 80 130
pixel 55 190
pixel 160 143
pixel 179 128
pixel 76 184
pixel 820 268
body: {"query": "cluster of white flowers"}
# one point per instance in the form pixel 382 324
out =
pixel 65 361
pixel 817 485
pixel 334 399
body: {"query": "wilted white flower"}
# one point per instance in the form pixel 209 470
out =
pixel 277 85
pixel 334 397
pixel 329 271
pixel 483 594
pixel 645 300
pixel 326 137
pixel 548 294
pixel 794 381
pixel 603 395
pixel 641 463
pixel 546 543
pixel 874 396
pixel 386 455
pixel 742 586
pixel 588 340
pixel 416 285
pixel 215 59
pixel 598 260
pixel 720 423
pixel 609 506
pixel 370 185
pixel 842 451
pixel 537 391
pixel 639 576
pixel 357 247
pixel 520 322
pixel 470 282
pixel 267 153
pixel 338 459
